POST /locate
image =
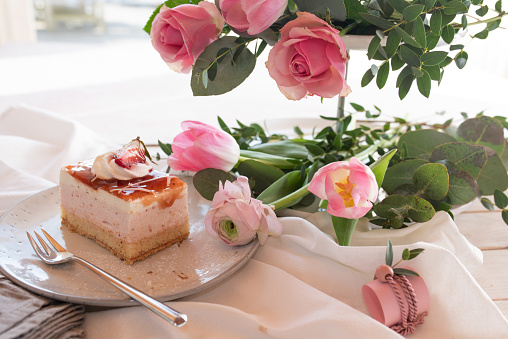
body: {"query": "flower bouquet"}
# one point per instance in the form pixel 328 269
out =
pixel 219 43
pixel 396 174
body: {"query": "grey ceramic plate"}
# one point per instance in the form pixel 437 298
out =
pixel 178 271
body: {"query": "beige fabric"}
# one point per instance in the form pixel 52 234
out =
pixel 27 315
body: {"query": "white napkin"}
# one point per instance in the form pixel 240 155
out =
pixel 303 285
pixel 35 144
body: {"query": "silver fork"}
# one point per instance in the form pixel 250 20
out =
pixel 61 255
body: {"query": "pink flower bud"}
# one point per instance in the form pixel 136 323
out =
pixel 202 146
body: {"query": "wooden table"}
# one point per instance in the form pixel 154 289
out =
pixel 487 231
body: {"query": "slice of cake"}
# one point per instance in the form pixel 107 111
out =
pixel 123 204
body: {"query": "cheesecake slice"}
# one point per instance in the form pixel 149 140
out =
pixel 132 218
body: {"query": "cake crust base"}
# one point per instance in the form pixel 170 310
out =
pixel 128 252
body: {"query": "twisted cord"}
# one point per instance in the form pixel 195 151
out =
pixel 409 321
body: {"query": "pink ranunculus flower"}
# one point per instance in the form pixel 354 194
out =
pixel 236 218
pixel 309 59
pixel 350 187
pixel 182 33
pixel 252 16
pixel 202 146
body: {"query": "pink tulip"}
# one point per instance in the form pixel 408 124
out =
pixel 309 59
pixel 253 16
pixel 350 187
pixel 202 146
pixel 182 33
pixel 236 218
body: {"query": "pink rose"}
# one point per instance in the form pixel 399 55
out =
pixel 202 146
pixel 236 218
pixel 182 33
pixel 350 187
pixel 253 16
pixel 309 59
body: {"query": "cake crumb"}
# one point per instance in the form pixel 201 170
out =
pixel 149 272
pixel 129 278
pixel 181 275
pixel 263 329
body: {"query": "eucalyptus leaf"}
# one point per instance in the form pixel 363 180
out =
pixel 367 78
pixel 405 271
pixel 229 74
pixel 435 22
pixel 487 204
pixel 377 21
pixel 419 31
pixel 461 59
pixel 399 5
pixel 454 6
pixel 406 37
pixel 389 253
pixel 270 159
pixel 382 74
pixel 336 8
pixel 433 57
pixel 463 187
pixel 448 33
pixel 411 12
pixel 401 173
pixel 410 57
pixel 405 86
pixel 471 158
pixel 424 84
pixel 432 181
pixel 207 181
pixel 423 141
pixel 493 175
pixel 484 131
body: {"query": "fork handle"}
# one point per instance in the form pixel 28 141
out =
pixel 174 317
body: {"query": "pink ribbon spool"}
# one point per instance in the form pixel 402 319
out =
pixel 382 302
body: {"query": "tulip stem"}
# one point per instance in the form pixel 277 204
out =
pixel 344 229
pixel 290 199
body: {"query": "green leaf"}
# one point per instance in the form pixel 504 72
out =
pixel 487 204
pixel 483 34
pixel 373 46
pixel 270 159
pixel 434 72
pixel 448 34
pixel 493 175
pixel 367 77
pixel 482 10
pixel 484 131
pixel 504 215
pixel 411 12
pixel 399 5
pixel 207 181
pixel 405 254
pixel 229 75
pixel 166 148
pixel 405 86
pixel 286 185
pixel 423 141
pixel 433 58
pixel 377 21
pixel 419 31
pixel 498 6
pixel 400 174
pixel 470 158
pixel 336 8
pixel 284 148
pixel 432 41
pixel 263 175
pixel 435 22
pixel 410 57
pixel 463 187
pixel 453 7
pixel 389 253
pixel 148 25
pixel 415 208
pixel 493 25
pixel 261 48
pixel 382 74
pixel 397 62
pixel 500 199
pixel 424 84
pixel 456 47
pixel 380 166
pixel 406 37
pixel 464 21
pixel 405 271
pixel 415 252
pixel 432 181
pixel 461 59
pixel 392 43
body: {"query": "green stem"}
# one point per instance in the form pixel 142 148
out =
pixel 344 229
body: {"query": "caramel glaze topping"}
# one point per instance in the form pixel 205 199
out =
pixel 147 188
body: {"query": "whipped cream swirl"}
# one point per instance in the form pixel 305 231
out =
pixel 104 167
